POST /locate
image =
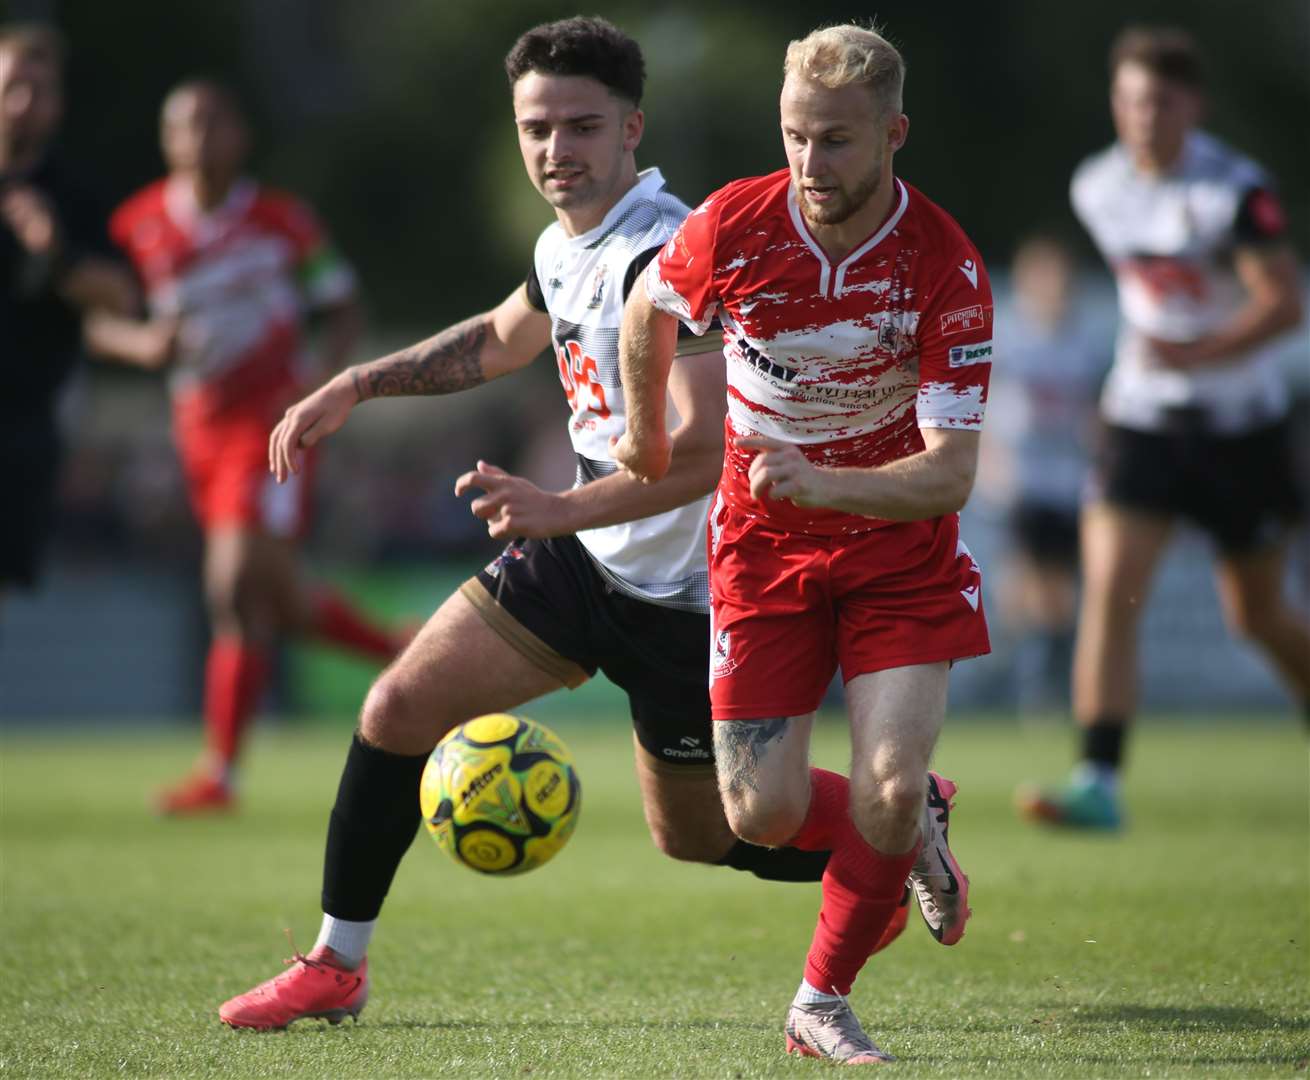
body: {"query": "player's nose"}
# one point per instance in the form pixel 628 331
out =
pixel 811 162
pixel 558 148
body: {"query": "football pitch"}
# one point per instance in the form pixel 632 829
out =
pixel 1177 949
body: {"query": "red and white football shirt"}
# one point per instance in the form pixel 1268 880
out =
pixel 238 277
pixel 846 360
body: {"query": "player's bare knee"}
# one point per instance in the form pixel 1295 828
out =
pixel 889 807
pixel 769 822
pixel 221 606
pixel 391 719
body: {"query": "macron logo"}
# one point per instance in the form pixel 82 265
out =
pixel 970 270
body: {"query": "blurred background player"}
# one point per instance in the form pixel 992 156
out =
pixel 608 576
pixel 857 321
pixel 54 264
pixel 1040 428
pixel 229 269
pixel 1195 406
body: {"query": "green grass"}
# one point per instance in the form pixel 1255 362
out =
pixel 1178 949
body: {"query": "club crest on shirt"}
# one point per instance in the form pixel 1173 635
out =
pixel 598 286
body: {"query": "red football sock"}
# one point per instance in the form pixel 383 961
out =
pixel 861 886
pixel 335 620
pixel 235 675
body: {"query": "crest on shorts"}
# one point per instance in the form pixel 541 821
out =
pixel 722 662
pixel 511 554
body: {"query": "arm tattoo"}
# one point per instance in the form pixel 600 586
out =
pixel 444 363
pixel 739 746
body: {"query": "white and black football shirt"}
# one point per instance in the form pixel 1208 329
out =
pixel 1169 241
pixel 581 282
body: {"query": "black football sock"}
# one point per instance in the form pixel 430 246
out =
pixel 372 825
pixel 1103 742
pixel 776 864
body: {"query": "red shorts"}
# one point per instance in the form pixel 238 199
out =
pixel 788 608
pixel 225 460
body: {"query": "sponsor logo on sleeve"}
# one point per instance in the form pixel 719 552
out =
pixel 980 352
pixel 958 322
pixel 970 270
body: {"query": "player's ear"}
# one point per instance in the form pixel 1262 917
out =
pixel 897 132
pixel 634 126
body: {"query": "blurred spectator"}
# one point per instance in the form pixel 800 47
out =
pixel 1195 406
pixel 1041 418
pixel 53 264
pixel 228 267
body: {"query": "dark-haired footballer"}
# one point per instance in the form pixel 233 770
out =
pixel 609 575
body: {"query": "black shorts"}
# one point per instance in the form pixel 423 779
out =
pixel 1047 535
pixel 29 458
pixel 548 600
pixel 1241 489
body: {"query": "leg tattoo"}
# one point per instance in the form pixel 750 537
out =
pixel 740 746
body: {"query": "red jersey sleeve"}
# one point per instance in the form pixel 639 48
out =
pixel 120 228
pixel 323 275
pixel 681 281
pixel 137 217
pixel 295 221
pixel 955 345
pixel 138 229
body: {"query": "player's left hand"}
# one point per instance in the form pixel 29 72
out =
pixel 513 506
pixel 781 471
pixel 1184 354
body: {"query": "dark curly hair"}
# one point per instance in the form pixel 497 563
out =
pixel 582 45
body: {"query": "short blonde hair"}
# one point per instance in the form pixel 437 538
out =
pixel 837 56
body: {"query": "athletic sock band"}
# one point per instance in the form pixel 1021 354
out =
pixel 373 823
pixel 1103 741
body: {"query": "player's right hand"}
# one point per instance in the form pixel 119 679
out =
pixel 646 459
pixel 32 219
pixel 308 421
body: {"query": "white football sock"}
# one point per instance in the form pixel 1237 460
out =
pixel 808 995
pixel 349 940
pixel 1105 777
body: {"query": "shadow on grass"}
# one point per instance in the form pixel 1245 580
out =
pixel 415 1023
pixel 1185 1018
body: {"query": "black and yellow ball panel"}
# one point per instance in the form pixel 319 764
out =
pixel 500 794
